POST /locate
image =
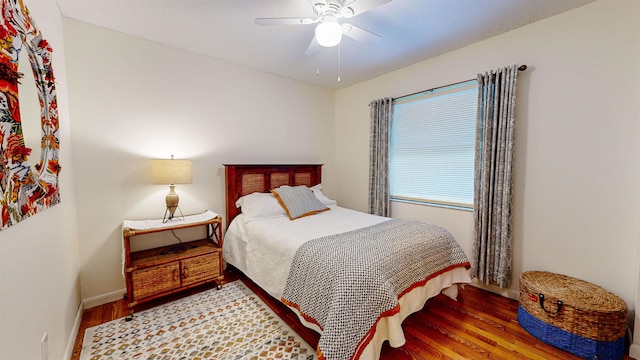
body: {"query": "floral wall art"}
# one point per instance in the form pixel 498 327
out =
pixel 25 190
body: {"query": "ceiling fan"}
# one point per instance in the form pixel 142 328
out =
pixel 329 31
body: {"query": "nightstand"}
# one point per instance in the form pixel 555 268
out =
pixel 159 271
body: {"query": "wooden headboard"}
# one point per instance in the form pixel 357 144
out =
pixel 249 178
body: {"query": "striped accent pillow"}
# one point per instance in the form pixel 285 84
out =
pixel 298 201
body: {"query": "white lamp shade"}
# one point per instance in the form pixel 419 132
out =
pixel 328 33
pixel 171 171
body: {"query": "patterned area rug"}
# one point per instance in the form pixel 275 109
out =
pixel 231 323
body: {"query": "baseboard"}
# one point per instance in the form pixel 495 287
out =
pixel 87 304
pixel 104 298
pixel 508 293
pixel 71 343
pixel 634 351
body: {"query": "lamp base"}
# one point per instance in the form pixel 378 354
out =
pixel 172 199
pixel 169 214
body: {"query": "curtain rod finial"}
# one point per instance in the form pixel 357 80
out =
pixel 522 67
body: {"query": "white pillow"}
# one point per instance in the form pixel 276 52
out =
pixel 259 205
pixel 317 191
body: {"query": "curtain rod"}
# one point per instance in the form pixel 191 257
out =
pixel 520 68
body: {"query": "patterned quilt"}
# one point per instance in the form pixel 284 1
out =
pixel 345 283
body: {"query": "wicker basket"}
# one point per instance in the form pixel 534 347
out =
pixel 572 314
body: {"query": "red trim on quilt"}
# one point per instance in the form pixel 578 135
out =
pixel 297 308
pixel 423 282
pixel 369 335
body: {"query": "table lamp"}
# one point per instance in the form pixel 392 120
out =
pixel 171 171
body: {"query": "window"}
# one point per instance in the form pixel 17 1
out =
pixel 432 147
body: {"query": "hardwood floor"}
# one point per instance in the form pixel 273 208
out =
pixel 480 325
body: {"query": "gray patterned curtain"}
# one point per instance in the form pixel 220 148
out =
pixel 491 257
pixel 379 136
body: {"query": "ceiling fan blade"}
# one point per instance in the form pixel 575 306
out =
pixel 360 34
pixel 357 7
pixel 283 21
pixel 312 49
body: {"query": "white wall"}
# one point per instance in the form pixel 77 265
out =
pixel 133 100
pixel 39 284
pixel 577 175
pixel 576 196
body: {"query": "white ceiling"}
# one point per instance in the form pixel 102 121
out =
pixel 411 31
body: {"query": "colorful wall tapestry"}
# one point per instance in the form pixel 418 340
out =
pixel 24 191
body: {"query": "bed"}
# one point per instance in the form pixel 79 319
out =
pixel 352 277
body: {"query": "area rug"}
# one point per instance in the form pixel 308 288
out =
pixel 230 323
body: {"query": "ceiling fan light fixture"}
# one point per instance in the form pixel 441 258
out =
pixel 328 33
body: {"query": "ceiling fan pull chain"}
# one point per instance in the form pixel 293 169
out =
pixel 338 62
pixel 317 60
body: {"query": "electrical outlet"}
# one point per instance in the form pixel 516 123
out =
pixel 44 345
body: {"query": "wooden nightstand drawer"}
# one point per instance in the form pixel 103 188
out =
pixel 155 280
pixel 200 268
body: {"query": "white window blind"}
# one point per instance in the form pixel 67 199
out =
pixel 432 146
